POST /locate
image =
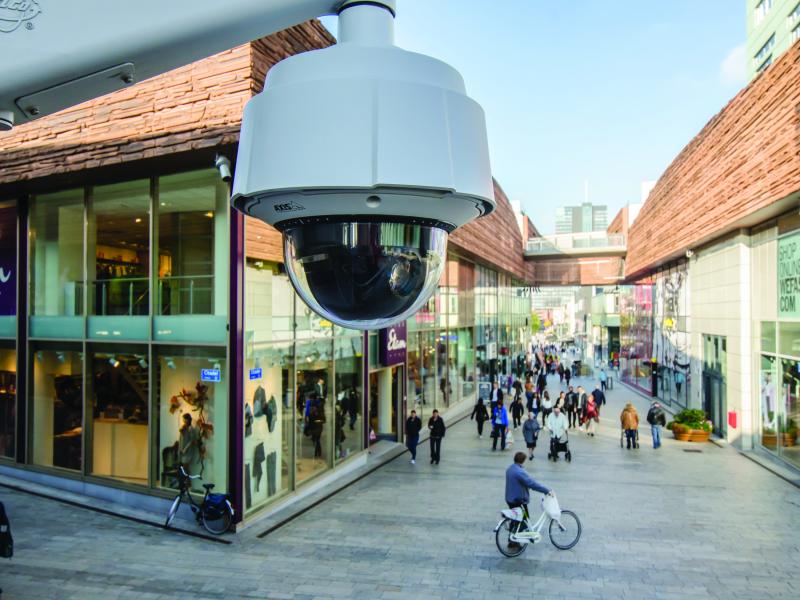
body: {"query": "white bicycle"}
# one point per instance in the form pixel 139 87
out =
pixel 516 531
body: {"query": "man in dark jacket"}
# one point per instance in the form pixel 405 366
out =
pixel 437 429
pixel 495 396
pixel 413 427
pixel 599 397
pixel 657 419
pixel 541 381
pixel 571 405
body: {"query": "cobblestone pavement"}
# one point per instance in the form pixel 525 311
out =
pixel 657 524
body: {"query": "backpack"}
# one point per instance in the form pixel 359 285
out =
pixel 651 416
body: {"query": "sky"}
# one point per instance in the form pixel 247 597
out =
pixel 600 91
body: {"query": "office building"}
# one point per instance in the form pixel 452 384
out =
pixel 772 27
pixel 583 218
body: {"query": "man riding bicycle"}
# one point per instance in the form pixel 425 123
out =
pixel 518 482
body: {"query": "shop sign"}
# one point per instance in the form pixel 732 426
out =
pixel 392 344
pixel 8 261
pixel 255 374
pixel 789 276
pixel 210 375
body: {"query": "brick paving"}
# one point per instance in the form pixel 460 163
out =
pixel 657 524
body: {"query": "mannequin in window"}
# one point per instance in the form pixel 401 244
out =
pixel 189 444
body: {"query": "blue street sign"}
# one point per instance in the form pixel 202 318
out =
pixel 255 373
pixel 210 375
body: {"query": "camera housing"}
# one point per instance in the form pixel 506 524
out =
pixel 365 157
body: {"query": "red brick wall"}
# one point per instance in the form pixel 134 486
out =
pixel 745 159
pixel 196 106
pixel 494 240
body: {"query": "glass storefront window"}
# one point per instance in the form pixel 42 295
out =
pixel 789 413
pixel 8 270
pixel 269 302
pixel 8 398
pixel 767 336
pixel 118 385
pixel 119 249
pixel 56 264
pixel 193 240
pixel 789 338
pixel 348 417
pixel 57 407
pixel 768 386
pixel 192 407
pixel 314 408
pixel 269 423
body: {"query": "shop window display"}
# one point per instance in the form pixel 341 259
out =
pixel 192 244
pixel 314 408
pixel 8 270
pixel 268 423
pixel 57 407
pixel 192 414
pixel 768 393
pixel 118 384
pixel 8 398
pixel 348 411
pixel 789 413
pixel 119 249
pixel 56 258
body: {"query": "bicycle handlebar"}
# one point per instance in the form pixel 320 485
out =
pixel 185 474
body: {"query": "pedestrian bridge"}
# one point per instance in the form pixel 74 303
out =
pixel 591 258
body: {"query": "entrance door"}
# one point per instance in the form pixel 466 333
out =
pixel 385 391
pixel 714 401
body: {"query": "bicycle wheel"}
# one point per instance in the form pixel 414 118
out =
pixel 216 521
pixel 173 510
pixel 502 538
pixel 566 534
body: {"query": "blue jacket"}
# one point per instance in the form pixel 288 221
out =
pixel 500 416
pixel 518 482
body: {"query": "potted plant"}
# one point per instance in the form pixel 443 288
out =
pixel 691 425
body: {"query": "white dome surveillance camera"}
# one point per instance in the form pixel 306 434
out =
pixel 365 157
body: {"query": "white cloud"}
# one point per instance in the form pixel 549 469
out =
pixel 733 70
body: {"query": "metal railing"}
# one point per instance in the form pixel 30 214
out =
pixel 565 242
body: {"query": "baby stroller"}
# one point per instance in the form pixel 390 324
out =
pixel 559 445
pixel 622 439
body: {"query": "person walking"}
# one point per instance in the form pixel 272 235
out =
pixel 480 415
pixel 679 379
pixel 560 371
pixel 562 398
pixel 437 429
pixel 541 381
pixel 603 379
pixel 518 482
pixel 495 396
pixel 413 427
pixel 571 408
pixel 629 419
pixel 567 374
pixel 592 416
pixel 530 431
pixel 529 392
pixel 599 397
pixel 657 419
pixel 499 425
pixel 517 411
pixel 547 408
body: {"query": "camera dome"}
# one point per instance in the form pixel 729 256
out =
pixel 365 275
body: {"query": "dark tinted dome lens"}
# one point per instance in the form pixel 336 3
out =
pixel 365 275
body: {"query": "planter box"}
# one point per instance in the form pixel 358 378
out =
pixel 770 440
pixel 692 435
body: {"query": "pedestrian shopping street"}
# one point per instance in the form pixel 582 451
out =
pixel 656 524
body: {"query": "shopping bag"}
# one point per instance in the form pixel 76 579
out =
pixel 551 507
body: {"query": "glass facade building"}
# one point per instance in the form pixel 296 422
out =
pixel 133 363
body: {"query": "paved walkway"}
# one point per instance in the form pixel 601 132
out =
pixel 657 524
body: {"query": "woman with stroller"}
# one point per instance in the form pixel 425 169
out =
pixel 557 424
pixel 530 431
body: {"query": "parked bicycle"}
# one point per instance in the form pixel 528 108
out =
pixel 516 531
pixel 214 513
